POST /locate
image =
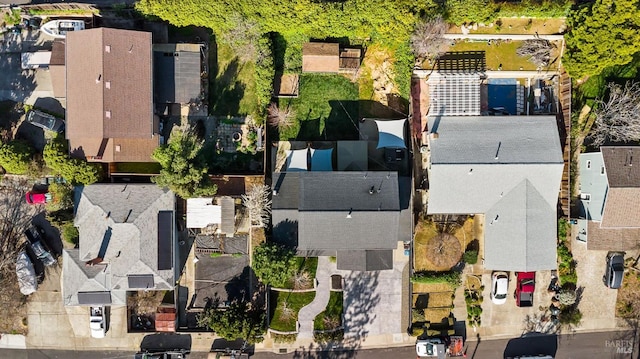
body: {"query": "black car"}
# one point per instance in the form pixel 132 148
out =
pixel 45 121
pixel 179 354
pixel 37 243
pixel 615 269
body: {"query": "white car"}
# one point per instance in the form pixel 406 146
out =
pixel 499 287
pixel 431 348
pixel 97 322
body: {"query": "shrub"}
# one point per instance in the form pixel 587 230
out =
pixel 470 257
pixel 70 234
pixel 215 254
pixel 567 297
pixel 450 277
pixel 15 157
pixel 75 171
pixel 284 338
pixel 327 337
pixel 570 315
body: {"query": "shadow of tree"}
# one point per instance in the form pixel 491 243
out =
pixel 227 91
pixel 360 300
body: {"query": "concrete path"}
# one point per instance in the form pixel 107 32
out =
pixel 308 313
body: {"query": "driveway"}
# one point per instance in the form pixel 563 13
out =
pixel 375 303
pixel 598 303
pixel 23 85
pixel 508 319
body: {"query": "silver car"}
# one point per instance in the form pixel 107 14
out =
pixel 615 270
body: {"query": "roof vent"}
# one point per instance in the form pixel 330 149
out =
pixel 107 48
pixel 372 190
pixel 99 78
pixel 349 214
pixel 107 84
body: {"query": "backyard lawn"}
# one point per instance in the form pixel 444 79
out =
pixel 502 53
pixel 138 167
pixel 326 108
pixel 331 318
pixel 233 90
pixel 285 307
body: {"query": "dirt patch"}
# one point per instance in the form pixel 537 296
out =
pixel 13 311
pixel 510 25
pixel 426 231
pixel 10 115
pixel 628 301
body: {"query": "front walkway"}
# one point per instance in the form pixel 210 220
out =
pixel 307 314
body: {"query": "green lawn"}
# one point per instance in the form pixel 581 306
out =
pixel 233 89
pixel 309 265
pixel 333 311
pixel 295 301
pixel 500 53
pixel 326 109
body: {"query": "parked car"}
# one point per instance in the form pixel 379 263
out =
pixel 615 269
pixel 431 348
pixel 97 322
pixel 499 287
pixel 26 274
pixel 37 198
pixel 32 23
pixel 36 241
pixel 525 286
pixel 45 121
pixel 161 355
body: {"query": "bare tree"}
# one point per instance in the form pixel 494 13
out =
pixel 538 50
pixel 15 216
pixel 286 312
pixel 302 280
pixel 259 205
pixel 243 37
pixel 427 40
pixel 280 117
pixel 617 119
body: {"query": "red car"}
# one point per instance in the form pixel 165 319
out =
pixel 525 286
pixel 36 198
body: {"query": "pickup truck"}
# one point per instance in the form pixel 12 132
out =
pixel 525 286
pixel 97 322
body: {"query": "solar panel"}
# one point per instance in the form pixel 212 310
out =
pixel 140 281
pixel 454 94
pixel 165 240
pixel 94 298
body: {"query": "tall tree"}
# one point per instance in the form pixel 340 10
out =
pixel 274 264
pixel 184 169
pixel 602 34
pixel 618 118
pixel 241 320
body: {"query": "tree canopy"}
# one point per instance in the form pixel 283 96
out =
pixel 602 34
pixel 184 168
pixel 357 19
pixel 274 264
pixel 74 170
pixel 241 320
pixel 15 156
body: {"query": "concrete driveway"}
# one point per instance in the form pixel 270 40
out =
pixel 598 303
pixel 15 83
pixel 508 319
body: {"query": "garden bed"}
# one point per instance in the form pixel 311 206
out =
pixel 284 308
pixel 426 231
pixel 326 108
pixel 627 304
pixel 331 317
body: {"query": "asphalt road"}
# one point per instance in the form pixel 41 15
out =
pixel 606 345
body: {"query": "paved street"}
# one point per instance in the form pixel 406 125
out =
pixel 614 345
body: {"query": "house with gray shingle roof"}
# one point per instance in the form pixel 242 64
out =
pixel 358 217
pixel 127 243
pixel 610 198
pixel 508 168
